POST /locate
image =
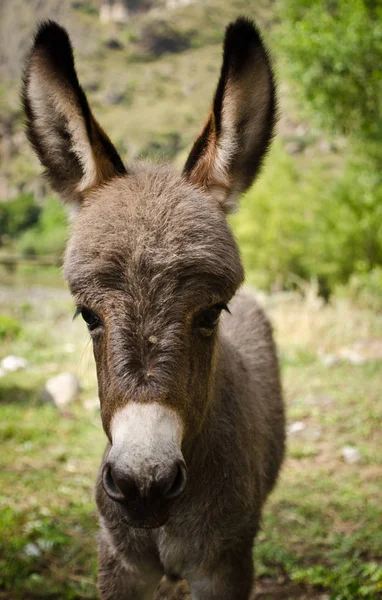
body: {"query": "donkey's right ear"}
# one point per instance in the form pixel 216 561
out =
pixel 71 145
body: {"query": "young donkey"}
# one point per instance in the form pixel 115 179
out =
pixel 187 368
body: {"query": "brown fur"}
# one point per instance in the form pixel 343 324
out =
pixel 149 252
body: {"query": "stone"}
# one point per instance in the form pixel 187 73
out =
pixel 295 427
pixel 113 11
pixel 69 348
pixel 351 455
pixel 113 44
pixel 91 404
pixel 113 98
pixel 61 390
pixel 312 434
pixel 32 550
pixel 13 363
pixel 352 356
pixel 329 360
pixel 294 147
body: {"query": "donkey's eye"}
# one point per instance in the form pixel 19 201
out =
pixel 208 319
pixel 90 317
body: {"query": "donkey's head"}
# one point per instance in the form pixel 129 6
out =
pixel 151 261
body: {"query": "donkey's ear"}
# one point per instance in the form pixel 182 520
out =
pixel 229 151
pixel 69 142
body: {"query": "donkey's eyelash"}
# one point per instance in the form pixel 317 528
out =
pixel 77 312
pixel 223 306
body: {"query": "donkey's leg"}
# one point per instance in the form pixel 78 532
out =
pixel 121 579
pixel 231 579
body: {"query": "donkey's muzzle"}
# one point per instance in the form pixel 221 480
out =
pixel 144 501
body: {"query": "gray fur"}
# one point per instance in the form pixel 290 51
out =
pixel 149 251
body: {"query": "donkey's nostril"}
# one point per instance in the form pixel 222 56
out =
pixel 122 488
pixel 177 482
pixel 110 486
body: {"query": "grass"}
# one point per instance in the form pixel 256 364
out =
pixel 321 530
pixel 321 526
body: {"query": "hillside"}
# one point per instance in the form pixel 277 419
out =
pixel 315 212
pixel 149 80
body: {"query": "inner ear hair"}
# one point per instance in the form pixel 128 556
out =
pixel 228 153
pixel 71 145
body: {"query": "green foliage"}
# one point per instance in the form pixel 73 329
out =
pixel 17 215
pixel 301 220
pixel 48 236
pixel 365 288
pixel 273 223
pixel 333 52
pixel 85 6
pixel 347 236
pixel 347 580
pixel 10 328
pixel 316 531
pixel 296 224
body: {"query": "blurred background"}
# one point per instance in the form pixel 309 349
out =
pixel 310 232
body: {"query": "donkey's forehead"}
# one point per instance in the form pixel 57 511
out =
pixel 151 223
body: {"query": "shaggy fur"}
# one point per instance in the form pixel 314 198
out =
pixel 150 255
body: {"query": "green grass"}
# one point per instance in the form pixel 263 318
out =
pixel 321 526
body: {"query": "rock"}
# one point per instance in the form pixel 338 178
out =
pixel 160 37
pixel 351 455
pixel 325 146
pixel 295 427
pixel 13 363
pixel 312 434
pixel 113 98
pixel 301 130
pixel 173 4
pixel 113 44
pixel 91 404
pixel 69 348
pixel 111 11
pixel 61 390
pixel 294 147
pixel 352 356
pixel 328 360
pixel 32 550
pixel 92 86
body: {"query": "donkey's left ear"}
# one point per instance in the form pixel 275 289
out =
pixel 229 151
pixel 69 142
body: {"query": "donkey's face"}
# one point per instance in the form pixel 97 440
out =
pixel 151 261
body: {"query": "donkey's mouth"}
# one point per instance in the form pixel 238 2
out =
pixel 152 523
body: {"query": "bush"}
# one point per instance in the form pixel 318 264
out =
pixel 327 229
pixel 10 328
pixel 49 234
pixel 17 215
pixel 333 51
pixel 160 37
pixel 365 288
pixel 296 224
pixel 274 221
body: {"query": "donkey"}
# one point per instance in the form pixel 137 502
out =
pixel 187 369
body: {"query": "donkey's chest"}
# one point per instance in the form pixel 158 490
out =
pixel 187 547
pixel 182 555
